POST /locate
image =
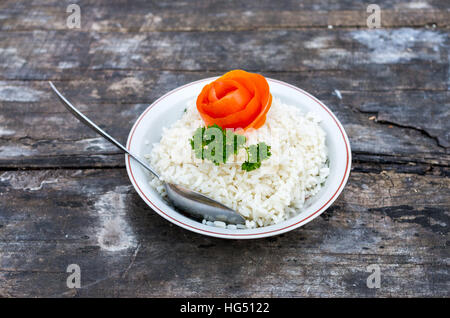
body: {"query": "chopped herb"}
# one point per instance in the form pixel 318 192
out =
pixel 256 154
pixel 248 166
pixel 210 142
pixel 216 144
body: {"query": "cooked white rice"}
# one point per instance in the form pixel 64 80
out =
pixel 268 195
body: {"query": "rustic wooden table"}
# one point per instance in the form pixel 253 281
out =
pixel 64 191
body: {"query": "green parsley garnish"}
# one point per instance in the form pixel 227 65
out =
pixel 217 144
pixel 256 154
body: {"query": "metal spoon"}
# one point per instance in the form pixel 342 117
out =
pixel 191 202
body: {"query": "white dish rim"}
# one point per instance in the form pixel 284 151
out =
pixel 175 217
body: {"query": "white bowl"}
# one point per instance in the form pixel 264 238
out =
pixel 167 109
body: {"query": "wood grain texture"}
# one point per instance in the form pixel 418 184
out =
pixel 48 224
pixel 148 16
pixel 378 123
pixel 65 197
pixel 41 54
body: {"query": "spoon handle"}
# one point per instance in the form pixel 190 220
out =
pixel 98 130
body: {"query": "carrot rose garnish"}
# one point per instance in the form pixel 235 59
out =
pixel 238 99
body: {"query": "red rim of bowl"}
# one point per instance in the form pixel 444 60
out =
pixel 248 235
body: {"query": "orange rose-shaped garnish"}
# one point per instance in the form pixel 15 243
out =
pixel 238 99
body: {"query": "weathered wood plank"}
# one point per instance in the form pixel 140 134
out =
pixel 36 131
pixel 147 16
pixel 42 54
pixel 428 113
pixel 50 219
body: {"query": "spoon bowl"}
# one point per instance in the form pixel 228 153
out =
pixel 197 204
